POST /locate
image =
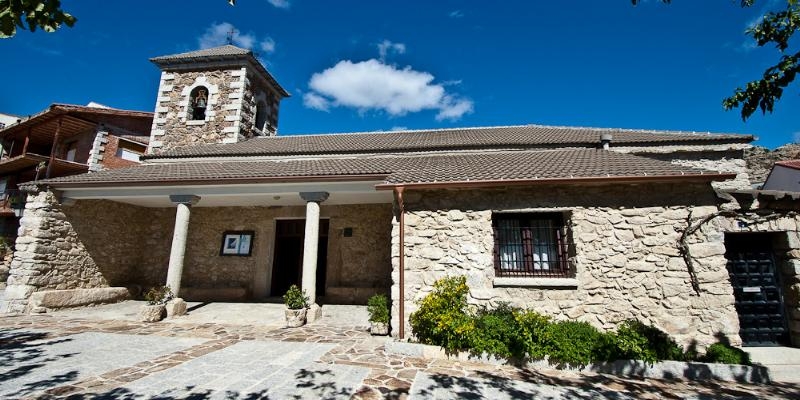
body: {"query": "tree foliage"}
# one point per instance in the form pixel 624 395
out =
pixel 32 14
pixel 777 28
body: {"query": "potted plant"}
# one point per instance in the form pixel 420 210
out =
pixel 378 309
pixel 155 309
pixel 296 304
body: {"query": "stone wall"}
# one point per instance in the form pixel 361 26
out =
pixel 625 254
pixel 357 262
pixel 256 91
pixel 232 104
pixel 171 128
pixel 760 159
pixel 48 255
pixel 710 158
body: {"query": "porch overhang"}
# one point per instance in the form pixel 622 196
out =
pixel 273 193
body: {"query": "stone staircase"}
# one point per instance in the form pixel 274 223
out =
pixel 783 362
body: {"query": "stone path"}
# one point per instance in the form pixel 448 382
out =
pixel 45 356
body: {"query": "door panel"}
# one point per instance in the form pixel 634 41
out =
pixel 757 289
pixel 287 264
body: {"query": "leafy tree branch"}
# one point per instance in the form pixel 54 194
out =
pixel 32 14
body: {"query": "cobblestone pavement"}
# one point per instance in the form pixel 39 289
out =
pixel 45 356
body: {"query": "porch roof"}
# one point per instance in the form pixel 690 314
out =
pixel 496 168
pixel 523 137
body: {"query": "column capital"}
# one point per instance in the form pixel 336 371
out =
pixel 316 197
pixel 187 199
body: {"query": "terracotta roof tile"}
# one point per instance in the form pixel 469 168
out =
pixel 505 137
pixel 506 165
pixel 794 164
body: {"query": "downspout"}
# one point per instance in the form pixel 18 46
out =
pixel 53 149
pixel 398 190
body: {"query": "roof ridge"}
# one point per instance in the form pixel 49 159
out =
pixel 202 52
pixel 468 128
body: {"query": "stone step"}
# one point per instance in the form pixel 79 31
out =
pixel 784 373
pixel 783 362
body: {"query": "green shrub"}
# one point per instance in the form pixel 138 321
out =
pixel 498 333
pixel 573 342
pixel 726 354
pixel 636 341
pixel 532 332
pixel 378 309
pixel 295 299
pixel 442 317
pixel 158 295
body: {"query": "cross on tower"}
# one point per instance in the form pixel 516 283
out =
pixel 230 36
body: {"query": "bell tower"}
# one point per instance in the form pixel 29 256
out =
pixel 217 95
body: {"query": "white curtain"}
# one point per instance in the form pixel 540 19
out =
pixel 510 244
pixel 544 244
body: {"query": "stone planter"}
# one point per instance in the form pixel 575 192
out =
pixel 150 313
pixel 295 318
pixel 379 328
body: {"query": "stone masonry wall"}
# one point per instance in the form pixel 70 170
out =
pixel 254 92
pixel 626 256
pixel 719 159
pixel 49 254
pixel 357 262
pixel 171 129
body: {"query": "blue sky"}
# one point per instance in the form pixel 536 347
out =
pixel 363 66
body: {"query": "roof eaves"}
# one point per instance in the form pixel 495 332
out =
pixel 682 177
pixel 210 181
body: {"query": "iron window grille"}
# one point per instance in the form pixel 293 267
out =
pixel 531 245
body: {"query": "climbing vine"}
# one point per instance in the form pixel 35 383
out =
pixel 761 216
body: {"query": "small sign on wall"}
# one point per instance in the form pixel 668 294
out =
pixel 237 243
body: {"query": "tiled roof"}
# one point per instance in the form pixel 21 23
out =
pixel 504 137
pixel 221 51
pixel 794 164
pixel 542 165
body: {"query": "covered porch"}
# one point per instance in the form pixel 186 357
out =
pixel 240 242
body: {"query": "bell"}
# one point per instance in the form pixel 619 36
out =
pixel 201 103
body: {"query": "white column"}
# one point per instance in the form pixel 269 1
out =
pixel 311 242
pixel 181 230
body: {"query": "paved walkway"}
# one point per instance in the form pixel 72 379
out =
pixel 54 356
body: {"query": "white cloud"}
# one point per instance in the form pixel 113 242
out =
pixel 217 35
pixel 280 3
pixel 796 137
pixel 399 128
pixel 456 14
pixel 453 108
pixel 386 47
pixel 315 101
pixel 267 45
pixel 374 85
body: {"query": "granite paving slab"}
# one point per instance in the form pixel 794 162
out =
pixel 31 361
pixel 488 386
pixel 251 369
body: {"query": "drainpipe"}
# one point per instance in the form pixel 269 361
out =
pixel 53 149
pixel 398 190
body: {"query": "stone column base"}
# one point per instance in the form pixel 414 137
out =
pixel 176 307
pixel 314 313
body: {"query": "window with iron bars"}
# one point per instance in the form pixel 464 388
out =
pixel 531 245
